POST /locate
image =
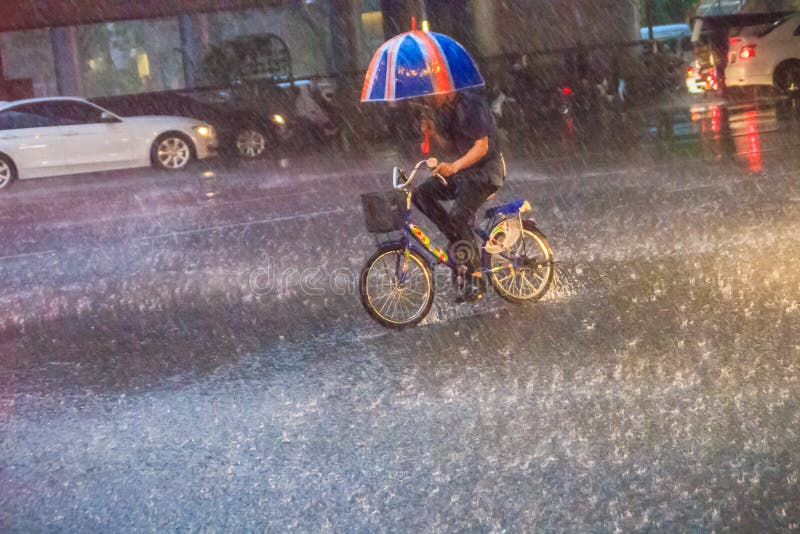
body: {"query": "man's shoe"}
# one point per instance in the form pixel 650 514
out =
pixel 472 290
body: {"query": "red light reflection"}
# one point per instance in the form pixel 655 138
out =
pixel 754 162
pixel 715 119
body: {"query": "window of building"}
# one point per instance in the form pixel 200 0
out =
pixel 304 29
pixel 29 55
pixel 130 57
pixel 371 35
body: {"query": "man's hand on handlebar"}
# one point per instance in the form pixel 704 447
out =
pixel 445 169
pixel 434 166
pixel 400 180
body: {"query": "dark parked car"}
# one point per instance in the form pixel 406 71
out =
pixel 248 128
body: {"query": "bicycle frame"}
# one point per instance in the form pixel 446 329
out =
pixel 401 272
pixel 414 238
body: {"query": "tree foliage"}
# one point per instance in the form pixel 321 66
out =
pixel 667 11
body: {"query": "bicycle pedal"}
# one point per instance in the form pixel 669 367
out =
pixel 472 296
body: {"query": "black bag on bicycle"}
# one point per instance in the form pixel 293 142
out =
pixel 384 212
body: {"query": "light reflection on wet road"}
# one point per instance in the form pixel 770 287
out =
pixel 168 361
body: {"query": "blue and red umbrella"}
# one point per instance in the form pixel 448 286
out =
pixel 419 63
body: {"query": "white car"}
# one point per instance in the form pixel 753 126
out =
pixel 766 55
pixel 54 136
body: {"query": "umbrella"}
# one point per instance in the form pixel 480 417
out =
pixel 419 63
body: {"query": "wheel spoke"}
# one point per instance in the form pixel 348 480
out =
pixel 382 298
pixel 251 143
pixel 502 280
pixel 517 284
pixel 386 268
pixel 529 284
pixel 532 272
pixel 5 174
pixel 173 153
pixel 395 300
pixel 405 303
pixel 414 291
pixel 387 292
pixel 387 297
pixel 386 302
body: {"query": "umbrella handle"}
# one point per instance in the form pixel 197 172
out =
pixel 425 146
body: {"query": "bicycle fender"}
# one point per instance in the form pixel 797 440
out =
pixel 532 221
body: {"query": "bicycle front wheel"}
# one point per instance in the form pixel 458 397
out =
pixel 533 274
pixel 396 287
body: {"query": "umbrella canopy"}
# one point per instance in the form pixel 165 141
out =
pixel 419 63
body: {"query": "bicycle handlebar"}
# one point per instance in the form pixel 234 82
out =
pixel 431 163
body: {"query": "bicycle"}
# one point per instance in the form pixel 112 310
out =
pixel 396 283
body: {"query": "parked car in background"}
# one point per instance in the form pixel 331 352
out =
pixel 250 129
pixel 245 59
pixel 701 78
pixel 701 74
pixel 674 39
pixel 54 136
pixel 766 56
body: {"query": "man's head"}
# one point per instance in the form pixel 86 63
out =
pixel 440 100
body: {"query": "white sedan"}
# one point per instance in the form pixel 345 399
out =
pixel 766 55
pixel 54 136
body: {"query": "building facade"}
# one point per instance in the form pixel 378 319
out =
pixel 124 52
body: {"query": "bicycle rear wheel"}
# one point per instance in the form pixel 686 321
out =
pixel 534 271
pixel 396 287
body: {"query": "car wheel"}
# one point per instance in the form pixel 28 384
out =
pixel 787 78
pixel 251 143
pixel 172 152
pixel 7 171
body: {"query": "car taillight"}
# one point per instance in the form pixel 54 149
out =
pixel 711 80
pixel 747 52
pixel 567 91
pixel 735 40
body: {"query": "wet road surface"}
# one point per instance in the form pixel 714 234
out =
pixel 188 351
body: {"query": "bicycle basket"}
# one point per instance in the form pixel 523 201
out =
pixel 384 212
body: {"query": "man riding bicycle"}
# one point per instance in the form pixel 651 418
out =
pixel 463 124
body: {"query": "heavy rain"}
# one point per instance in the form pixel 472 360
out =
pixel 190 334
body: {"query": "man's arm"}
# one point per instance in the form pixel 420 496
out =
pixel 473 156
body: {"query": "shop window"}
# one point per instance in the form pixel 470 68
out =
pixel 303 28
pixel 371 35
pixel 130 57
pixel 29 55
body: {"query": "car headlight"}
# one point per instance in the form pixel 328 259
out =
pixel 204 131
pixel 278 119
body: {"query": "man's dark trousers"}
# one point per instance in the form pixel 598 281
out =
pixel 468 190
